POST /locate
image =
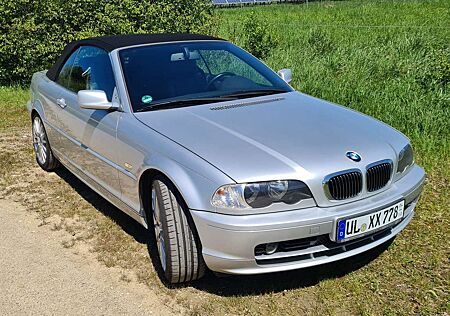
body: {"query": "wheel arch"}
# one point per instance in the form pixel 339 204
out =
pixel 145 181
pixel 183 236
pixel 34 113
pixel 37 109
pixel 193 188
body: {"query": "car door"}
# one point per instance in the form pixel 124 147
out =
pixel 53 104
pixel 91 134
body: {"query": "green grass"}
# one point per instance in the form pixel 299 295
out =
pixel 398 74
pixel 12 107
pixel 388 59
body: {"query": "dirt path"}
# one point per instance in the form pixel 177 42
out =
pixel 38 276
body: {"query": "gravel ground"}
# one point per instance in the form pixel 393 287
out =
pixel 38 276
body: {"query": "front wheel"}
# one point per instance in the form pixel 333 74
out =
pixel 179 252
pixel 41 145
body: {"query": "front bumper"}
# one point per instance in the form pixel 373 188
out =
pixel 229 241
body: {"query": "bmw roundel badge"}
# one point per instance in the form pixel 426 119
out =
pixel 353 156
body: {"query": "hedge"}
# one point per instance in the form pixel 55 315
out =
pixel 33 33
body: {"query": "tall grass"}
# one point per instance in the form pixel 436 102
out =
pixel 12 108
pixel 390 60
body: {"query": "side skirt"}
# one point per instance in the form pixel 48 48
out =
pixel 113 199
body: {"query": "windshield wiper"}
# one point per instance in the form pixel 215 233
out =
pixel 254 93
pixel 183 102
pixel 169 104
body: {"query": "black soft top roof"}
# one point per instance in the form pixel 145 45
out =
pixel 110 43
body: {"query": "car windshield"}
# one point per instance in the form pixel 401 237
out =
pixel 185 74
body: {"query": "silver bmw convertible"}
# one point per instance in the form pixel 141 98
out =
pixel 226 165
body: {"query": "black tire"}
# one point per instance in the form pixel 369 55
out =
pixel 44 155
pixel 181 259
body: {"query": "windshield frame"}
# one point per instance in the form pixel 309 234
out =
pixel 119 60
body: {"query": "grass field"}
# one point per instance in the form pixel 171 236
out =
pixel 387 59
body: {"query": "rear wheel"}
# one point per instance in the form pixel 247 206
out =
pixel 178 248
pixel 41 145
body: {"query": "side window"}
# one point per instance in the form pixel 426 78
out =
pixel 64 75
pixel 219 61
pixel 92 70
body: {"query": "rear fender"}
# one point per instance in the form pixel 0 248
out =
pixel 37 107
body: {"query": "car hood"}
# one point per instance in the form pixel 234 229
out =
pixel 284 136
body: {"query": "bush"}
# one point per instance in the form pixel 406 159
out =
pixel 257 38
pixel 33 33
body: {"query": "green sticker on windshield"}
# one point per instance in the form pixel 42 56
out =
pixel 146 99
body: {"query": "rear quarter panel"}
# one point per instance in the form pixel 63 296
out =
pixel 44 93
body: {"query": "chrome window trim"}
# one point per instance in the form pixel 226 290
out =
pixel 121 88
pixel 168 42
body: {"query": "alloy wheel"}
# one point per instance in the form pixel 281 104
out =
pixel 40 140
pixel 158 229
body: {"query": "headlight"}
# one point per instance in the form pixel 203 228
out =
pixel 405 158
pixel 260 194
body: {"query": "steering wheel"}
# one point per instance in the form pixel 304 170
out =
pixel 219 76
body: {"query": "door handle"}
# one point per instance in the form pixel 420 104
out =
pixel 61 102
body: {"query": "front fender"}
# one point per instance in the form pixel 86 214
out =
pixel 143 149
pixel 195 188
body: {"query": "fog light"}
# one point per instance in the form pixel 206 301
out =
pixel 271 248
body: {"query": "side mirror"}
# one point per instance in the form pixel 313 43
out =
pixel 285 74
pixel 94 100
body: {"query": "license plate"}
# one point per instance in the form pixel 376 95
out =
pixel 361 225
